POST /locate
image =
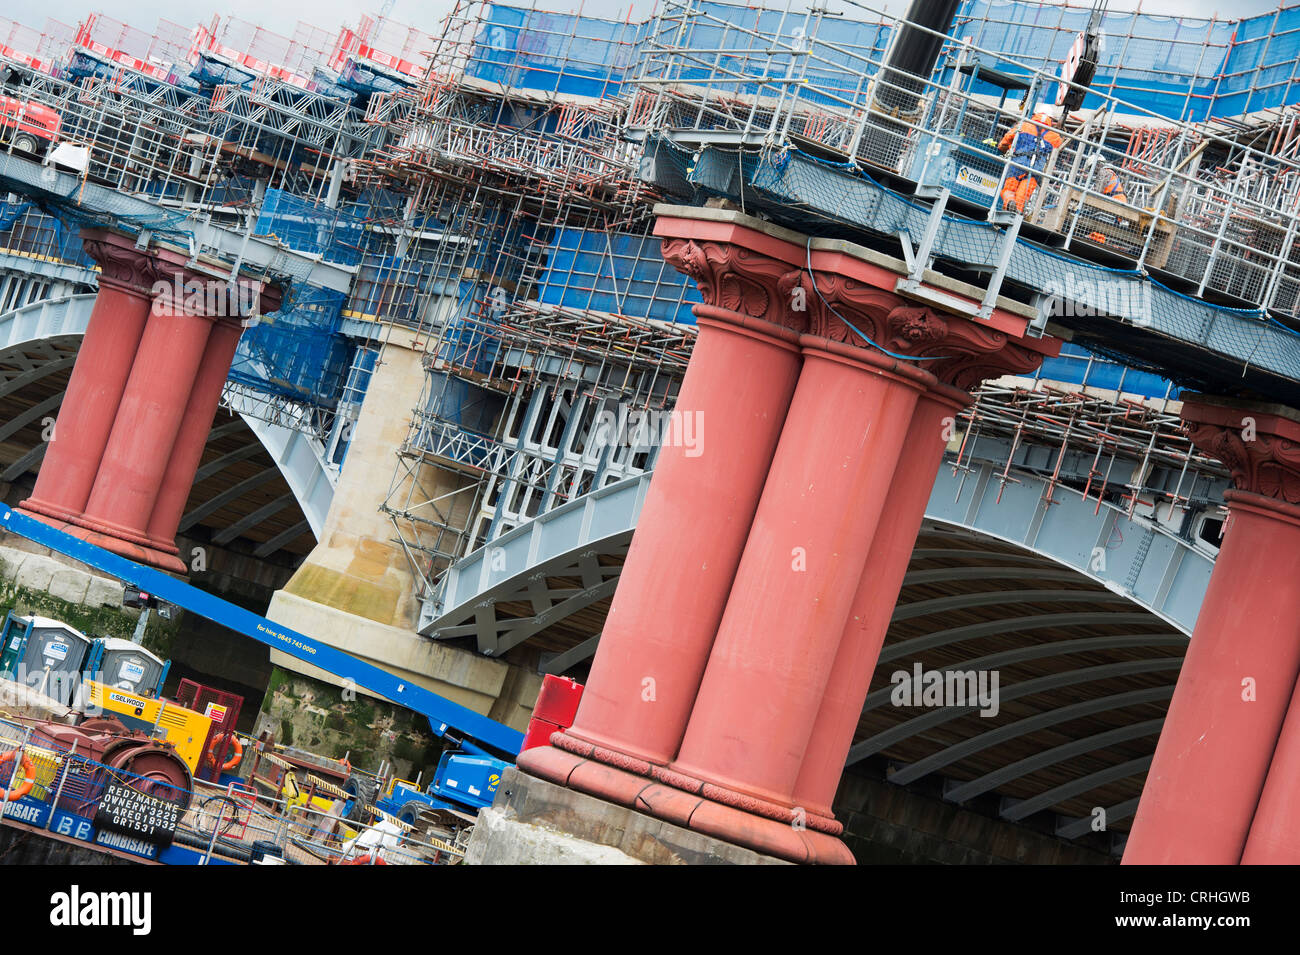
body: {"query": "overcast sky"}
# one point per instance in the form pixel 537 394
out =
pixel 281 16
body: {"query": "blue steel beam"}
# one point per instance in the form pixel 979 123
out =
pixel 443 714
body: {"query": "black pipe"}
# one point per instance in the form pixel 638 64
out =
pixel 915 52
pixel 897 88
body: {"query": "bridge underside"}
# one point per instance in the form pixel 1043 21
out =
pixel 1085 676
pixel 240 496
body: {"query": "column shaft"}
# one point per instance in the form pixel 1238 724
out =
pixel 1214 750
pixel 778 639
pixel 1274 837
pixel 690 535
pixel 90 403
pixel 873 604
pixel 192 435
pixel 147 422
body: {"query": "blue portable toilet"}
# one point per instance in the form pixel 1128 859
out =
pixel 44 654
pixel 124 665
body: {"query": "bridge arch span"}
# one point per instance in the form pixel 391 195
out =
pixel 274 491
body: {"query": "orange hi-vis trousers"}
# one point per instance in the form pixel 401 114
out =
pixel 1018 190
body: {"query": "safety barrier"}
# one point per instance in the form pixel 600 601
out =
pixel 297 822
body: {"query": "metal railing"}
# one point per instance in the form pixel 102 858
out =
pixel 1211 211
pixel 299 821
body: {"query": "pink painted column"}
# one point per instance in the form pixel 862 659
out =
pixel 738 739
pixel 773 655
pixel 98 379
pixel 144 432
pixel 873 604
pixel 192 436
pixel 697 513
pixel 1274 837
pixel 1236 682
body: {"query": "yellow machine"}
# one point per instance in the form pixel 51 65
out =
pixel 186 730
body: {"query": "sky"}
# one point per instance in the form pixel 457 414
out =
pixel 281 16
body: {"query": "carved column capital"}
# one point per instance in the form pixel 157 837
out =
pixel 121 265
pixel 844 296
pixel 169 279
pixel 743 282
pixel 962 352
pixel 1259 446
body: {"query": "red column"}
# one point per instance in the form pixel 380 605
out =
pixel 1274 837
pixel 144 431
pixel 192 435
pixel 98 379
pixel 757 704
pixel 671 593
pixel 690 535
pixel 873 605
pixel 1236 681
pixel 752 712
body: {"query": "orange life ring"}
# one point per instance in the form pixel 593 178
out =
pixel 233 761
pixel 29 776
pixel 364 860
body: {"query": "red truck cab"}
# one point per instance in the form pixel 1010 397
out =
pixel 29 127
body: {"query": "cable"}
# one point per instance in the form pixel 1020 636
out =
pixel 813 278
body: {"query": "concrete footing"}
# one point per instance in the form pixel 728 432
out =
pixel 535 822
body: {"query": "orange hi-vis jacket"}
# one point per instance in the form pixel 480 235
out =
pixel 1112 186
pixel 1031 142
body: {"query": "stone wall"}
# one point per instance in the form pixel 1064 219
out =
pixel 888 824
pixel 34 582
pixel 321 718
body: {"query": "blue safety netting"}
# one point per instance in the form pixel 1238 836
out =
pixel 617 273
pixel 741 44
pixel 1260 71
pixel 1079 366
pixel 552 52
pixel 297 351
pixel 312 227
pixel 1183 67
pixel 26 230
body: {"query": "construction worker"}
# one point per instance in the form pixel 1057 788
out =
pixel 1031 143
pixel 1110 185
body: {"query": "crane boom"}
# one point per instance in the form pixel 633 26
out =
pixel 445 716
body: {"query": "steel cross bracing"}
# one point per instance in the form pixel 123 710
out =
pixel 444 716
pixel 300 116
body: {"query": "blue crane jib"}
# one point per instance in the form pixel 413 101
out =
pixel 446 717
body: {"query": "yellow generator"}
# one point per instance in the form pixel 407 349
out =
pixel 186 730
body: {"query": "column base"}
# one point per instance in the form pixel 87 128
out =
pixel 149 556
pixel 49 513
pixel 672 775
pixel 123 533
pixel 680 808
pixel 536 822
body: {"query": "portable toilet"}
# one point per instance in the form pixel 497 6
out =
pixel 44 654
pixel 124 665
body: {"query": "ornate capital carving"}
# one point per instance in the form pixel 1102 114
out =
pixel 167 277
pixel 960 352
pixel 964 352
pixel 739 280
pixel 123 267
pixel 1260 462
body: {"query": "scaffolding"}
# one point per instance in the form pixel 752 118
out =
pixel 525 255
pixel 492 184
pixel 1209 206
